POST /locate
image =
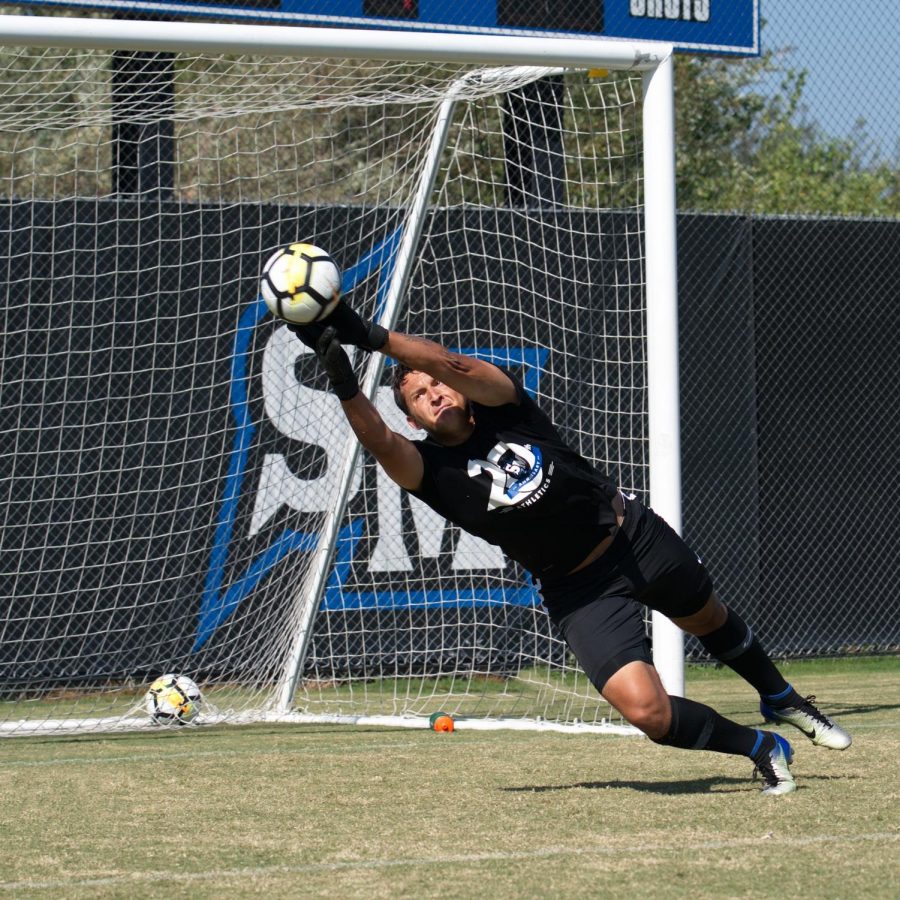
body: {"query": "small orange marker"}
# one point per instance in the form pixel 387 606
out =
pixel 441 721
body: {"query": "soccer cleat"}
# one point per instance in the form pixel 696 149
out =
pixel 813 723
pixel 774 768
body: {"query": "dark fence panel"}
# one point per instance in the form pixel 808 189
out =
pixel 790 335
pixel 791 427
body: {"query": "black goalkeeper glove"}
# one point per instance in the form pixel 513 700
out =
pixel 309 334
pixel 336 364
pixel 349 328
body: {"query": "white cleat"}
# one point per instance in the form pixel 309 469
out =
pixel 774 770
pixel 814 724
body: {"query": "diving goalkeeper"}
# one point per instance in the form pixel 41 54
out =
pixel 494 464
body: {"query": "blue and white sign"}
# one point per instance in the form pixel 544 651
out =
pixel 722 26
pixel 277 489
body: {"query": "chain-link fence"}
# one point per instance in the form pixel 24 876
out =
pixel 790 425
pixel 790 369
pixel 851 86
pixel 808 127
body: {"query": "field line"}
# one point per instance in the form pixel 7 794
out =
pixel 450 859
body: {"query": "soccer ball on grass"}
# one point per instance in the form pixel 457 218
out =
pixel 173 700
pixel 300 283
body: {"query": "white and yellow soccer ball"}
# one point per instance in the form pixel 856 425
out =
pixel 173 700
pixel 300 283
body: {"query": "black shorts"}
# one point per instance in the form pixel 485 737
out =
pixel 599 609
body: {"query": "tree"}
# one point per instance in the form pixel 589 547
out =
pixel 742 146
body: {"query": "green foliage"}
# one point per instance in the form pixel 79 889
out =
pixel 274 130
pixel 742 146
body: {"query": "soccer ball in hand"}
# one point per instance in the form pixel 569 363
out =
pixel 173 700
pixel 300 283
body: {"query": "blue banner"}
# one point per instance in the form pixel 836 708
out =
pixel 720 26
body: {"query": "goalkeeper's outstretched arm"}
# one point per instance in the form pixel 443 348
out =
pixel 394 453
pixel 476 379
pixel 471 379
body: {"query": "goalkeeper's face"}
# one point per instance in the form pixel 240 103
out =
pixel 436 408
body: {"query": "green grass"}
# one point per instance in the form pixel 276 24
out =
pixel 340 812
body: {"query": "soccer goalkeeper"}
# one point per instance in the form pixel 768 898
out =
pixel 493 463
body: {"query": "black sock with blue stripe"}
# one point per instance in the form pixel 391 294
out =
pixel 735 645
pixel 787 697
pixel 699 727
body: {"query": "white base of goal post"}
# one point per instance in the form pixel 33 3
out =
pixel 113 724
pixel 464 724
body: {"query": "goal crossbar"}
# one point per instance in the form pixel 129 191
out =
pixel 285 40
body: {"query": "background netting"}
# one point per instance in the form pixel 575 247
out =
pixel 175 451
pixel 789 428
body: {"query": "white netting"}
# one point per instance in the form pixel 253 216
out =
pixel 171 453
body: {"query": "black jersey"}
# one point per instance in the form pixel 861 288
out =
pixel 516 483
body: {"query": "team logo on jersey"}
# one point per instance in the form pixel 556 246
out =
pixel 517 474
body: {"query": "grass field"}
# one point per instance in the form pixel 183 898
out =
pixel 295 811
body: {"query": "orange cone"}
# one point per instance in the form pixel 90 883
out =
pixel 442 722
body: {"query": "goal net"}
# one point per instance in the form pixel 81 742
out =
pixel 180 490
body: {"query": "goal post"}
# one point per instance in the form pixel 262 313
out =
pixel 184 494
pixel 312 592
pixel 663 413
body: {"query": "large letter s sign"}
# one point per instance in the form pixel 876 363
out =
pixel 302 414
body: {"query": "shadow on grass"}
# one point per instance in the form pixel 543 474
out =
pixel 859 708
pixel 717 784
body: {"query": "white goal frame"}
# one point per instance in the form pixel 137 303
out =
pixel 655 63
